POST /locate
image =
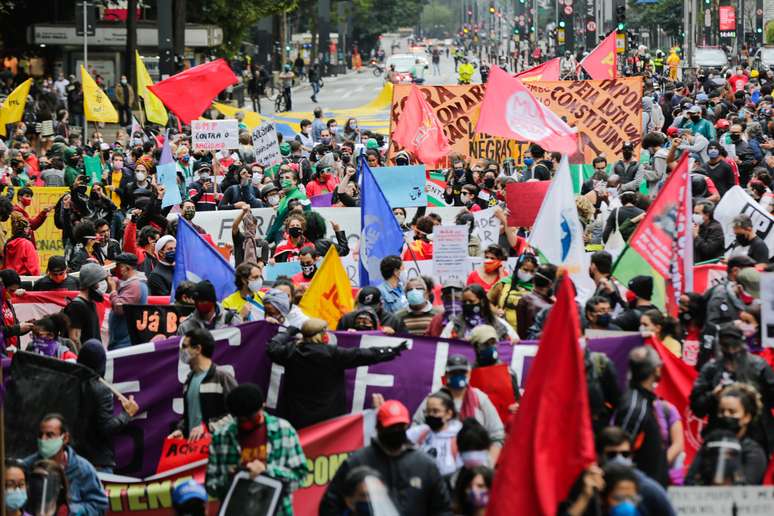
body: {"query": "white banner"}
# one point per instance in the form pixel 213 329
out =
pixel 767 309
pixel 214 135
pixel 487 227
pixel 737 202
pixel 723 501
pixel 265 145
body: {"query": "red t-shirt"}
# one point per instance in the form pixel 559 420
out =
pixel 9 320
pixel 253 445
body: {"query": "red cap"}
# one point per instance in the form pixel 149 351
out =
pixel 672 131
pixel 721 123
pixel 392 412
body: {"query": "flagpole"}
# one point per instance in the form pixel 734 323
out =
pixel 85 62
pixel 2 442
pixel 413 256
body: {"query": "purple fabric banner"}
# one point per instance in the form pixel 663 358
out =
pixel 322 200
pixel 154 375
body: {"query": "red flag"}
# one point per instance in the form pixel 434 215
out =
pixel 600 64
pixel 675 386
pixel 189 93
pixel 495 381
pixel 664 238
pixel 548 71
pixel 511 111
pixel 418 130
pixel 552 441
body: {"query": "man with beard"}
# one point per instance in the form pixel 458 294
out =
pixel 733 364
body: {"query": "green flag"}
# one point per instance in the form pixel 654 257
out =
pixel 631 264
pixel 93 166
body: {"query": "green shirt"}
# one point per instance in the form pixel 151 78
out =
pixel 193 401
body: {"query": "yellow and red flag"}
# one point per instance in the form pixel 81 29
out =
pixel 329 295
pixel 600 64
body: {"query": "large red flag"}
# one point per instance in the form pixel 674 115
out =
pixel 551 440
pixel 600 64
pixel 189 93
pixel 548 71
pixel 418 130
pixel 664 238
pixel 677 379
pixel 510 110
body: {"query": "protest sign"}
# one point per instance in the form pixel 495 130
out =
pixel 723 500
pixel 436 186
pixel 402 186
pixel 523 201
pixel 148 322
pixel 265 144
pixel 738 202
pixel 606 114
pixel 767 309
pixel 213 135
pixel 450 252
pixel 178 451
pixel 249 496
pixel 321 201
pixel 487 227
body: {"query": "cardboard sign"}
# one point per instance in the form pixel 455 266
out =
pixel 606 114
pixel 265 145
pixel 149 322
pixel 722 500
pixel 523 201
pixel 450 254
pixel 487 227
pixel 213 135
pixel 178 452
pixel 402 186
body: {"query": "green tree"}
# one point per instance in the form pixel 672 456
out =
pixel 437 19
pixel 374 17
pixel 666 13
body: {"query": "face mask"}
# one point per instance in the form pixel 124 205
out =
pixel 15 498
pixel 416 297
pixel 257 178
pixel 730 356
pixel 255 285
pixel 491 266
pixel 729 423
pixel 101 287
pixel 698 219
pixel 528 161
pixel 457 381
pixel 478 499
pixel 471 459
pixel 45 346
pixel 400 218
pixel 295 232
pixel 470 309
pixel 735 137
pixel 47 448
pixel 26 201
pixel 625 508
pixel 205 307
pixel 620 459
pixel 392 437
pixel 742 239
pixel 252 424
pixel 204 177
pixel 185 356
pixel 325 140
pixel 459 171
pixel 524 277
pixel 487 356
pixel 189 214
pixel 695 118
pixel 627 154
pixel 118 165
pixel 308 270
pixel 123 81
pixel 434 422
pixel 363 508
pixel 286 184
pixel 59 278
pixel 713 153
pixel 169 257
pixel 273 200
pixel 140 176
pixel 489 183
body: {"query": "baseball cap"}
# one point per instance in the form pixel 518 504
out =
pixel 457 363
pixel 481 334
pixel 695 109
pixel 750 279
pixel 392 412
pixel 129 259
pixel 369 296
pixel 187 491
pixel 671 131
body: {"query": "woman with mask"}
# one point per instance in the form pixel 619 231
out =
pixel 49 338
pixel 82 310
pixel 505 294
pixel 471 491
pixel 351 132
pixel 160 280
pixel 491 271
pixel 288 249
pixel 654 323
pixel 739 407
pixel 11 327
pixel 15 489
pixel 437 435
pixel 86 249
pixel 476 310
pixel 19 252
pixel 248 298
pixel 400 217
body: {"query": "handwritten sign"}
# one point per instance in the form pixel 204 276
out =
pixel 213 135
pixel 523 201
pixel 265 145
pixel 450 254
pixel 402 186
pixel 178 452
pixel 722 500
pixel 147 322
pixel 487 227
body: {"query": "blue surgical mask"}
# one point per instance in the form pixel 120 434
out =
pixel 15 498
pixel 47 448
pixel 528 161
pixel 604 320
pixel 487 356
pixel 625 508
pixel 713 153
pixel 457 381
pixel 415 297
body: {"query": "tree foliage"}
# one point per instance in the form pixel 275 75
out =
pixel 437 19
pixel 666 13
pixel 374 17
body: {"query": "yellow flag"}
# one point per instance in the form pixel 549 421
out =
pixel 329 296
pixel 154 109
pixel 96 105
pixel 12 109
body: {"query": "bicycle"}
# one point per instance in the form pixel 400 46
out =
pixel 280 103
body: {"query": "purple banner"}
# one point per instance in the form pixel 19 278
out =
pixel 322 200
pixel 153 374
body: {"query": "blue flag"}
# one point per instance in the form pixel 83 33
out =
pixel 380 233
pixel 197 260
pixel 167 176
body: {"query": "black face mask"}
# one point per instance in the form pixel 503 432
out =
pixel 295 232
pixel 392 437
pixel 742 239
pixel 695 118
pixel 489 183
pixel 434 422
pixel 735 137
pixel 627 154
pixel 729 423
pixel 470 309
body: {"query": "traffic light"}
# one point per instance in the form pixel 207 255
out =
pixel 562 24
pixel 620 17
pixel 491 8
pixel 515 31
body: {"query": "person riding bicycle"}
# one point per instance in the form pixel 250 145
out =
pixel 465 71
pixel 286 78
pixel 417 72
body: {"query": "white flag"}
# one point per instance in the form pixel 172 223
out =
pixel 557 232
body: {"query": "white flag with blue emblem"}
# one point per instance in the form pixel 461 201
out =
pixel 557 232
